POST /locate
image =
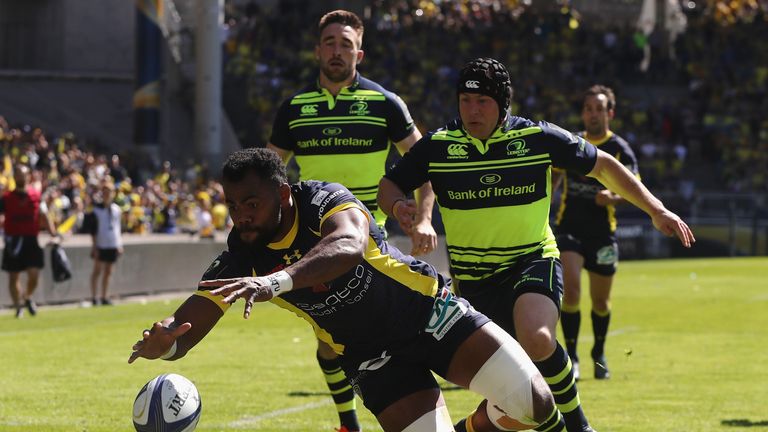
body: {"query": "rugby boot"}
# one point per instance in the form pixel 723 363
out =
pixel 31 307
pixel 601 367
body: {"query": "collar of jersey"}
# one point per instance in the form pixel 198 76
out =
pixel 286 241
pixel 500 134
pixel 602 140
pixel 332 99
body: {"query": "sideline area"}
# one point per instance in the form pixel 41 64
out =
pixel 152 265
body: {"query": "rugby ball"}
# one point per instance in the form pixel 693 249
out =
pixel 168 403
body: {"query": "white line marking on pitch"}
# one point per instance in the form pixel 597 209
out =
pixel 250 420
pixel 616 332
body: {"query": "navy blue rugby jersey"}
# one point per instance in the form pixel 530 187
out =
pixel 578 213
pixel 346 138
pixel 385 299
pixel 494 195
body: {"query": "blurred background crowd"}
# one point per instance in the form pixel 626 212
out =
pixel 693 109
pixel 694 114
pixel 174 200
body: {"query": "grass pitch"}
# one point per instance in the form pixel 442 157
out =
pixel 687 352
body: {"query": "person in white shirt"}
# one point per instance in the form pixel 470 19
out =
pixel 103 223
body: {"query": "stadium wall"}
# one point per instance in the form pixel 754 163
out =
pixel 151 265
pixel 162 263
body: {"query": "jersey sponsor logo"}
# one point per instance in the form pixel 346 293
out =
pixel 490 179
pixel 607 255
pixel 359 108
pixel 334 141
pixel 584 190
pixel 318 197
pixel 457 151
pixel 331 131
pixel 309 110
pixel 472 84
pixel 517 148
pixel 491 192
pixel 321 210
pixel 445 312
pixel 349 294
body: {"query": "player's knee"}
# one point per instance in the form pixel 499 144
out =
pixel 538 343
pixel 510 382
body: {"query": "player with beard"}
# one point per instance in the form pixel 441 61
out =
pixel 585 231
pixel 315 250
pixel 341 128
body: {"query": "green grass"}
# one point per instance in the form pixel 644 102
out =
pixel 687 350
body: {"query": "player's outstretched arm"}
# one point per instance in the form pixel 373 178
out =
pixel 617 178
pixel 395 204
pixel 171 338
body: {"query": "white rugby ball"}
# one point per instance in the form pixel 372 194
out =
pixel 168 403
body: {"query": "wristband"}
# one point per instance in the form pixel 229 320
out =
pixel 171 352
pixel 394 204
pixel 280 282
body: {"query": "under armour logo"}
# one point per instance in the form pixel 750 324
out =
pixel 291 258
pixel 472 84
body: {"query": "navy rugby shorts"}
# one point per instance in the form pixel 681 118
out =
pixel 401 369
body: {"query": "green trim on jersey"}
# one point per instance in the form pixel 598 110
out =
pixel 364 184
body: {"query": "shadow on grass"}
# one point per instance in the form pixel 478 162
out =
pixel 743 423
pixel 444 387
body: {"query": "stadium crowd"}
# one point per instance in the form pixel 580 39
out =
pixel 699 99
pixel 71 179
pixel 705 104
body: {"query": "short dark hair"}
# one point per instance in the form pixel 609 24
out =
pixel 263 162
pixel 342 17
pixel 599 89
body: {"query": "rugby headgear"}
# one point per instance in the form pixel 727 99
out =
pixel 488 77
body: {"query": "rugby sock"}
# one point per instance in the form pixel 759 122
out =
pixel 554 423
pixel 570 319
pixel 600 321
pixel 342 393
pixel 465 425
pixel 558 374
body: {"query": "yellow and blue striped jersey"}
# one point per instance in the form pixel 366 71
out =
pixel 387 298
pixel 494 195
pixel 343 139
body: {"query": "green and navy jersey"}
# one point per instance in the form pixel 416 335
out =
pixel 385 299
pixel 494 195
pixel 343 139
pixel 578 213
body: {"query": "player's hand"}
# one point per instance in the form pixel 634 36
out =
pixel 157 341
pixel 605 197
pixel 671 225
pixel 423 238
pixel 404 212
pixel 252 289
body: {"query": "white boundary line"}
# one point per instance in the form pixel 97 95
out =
pixel 251 420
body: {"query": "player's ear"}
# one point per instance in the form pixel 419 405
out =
pixel 360 55
pixel 317 52
pixel 285 193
